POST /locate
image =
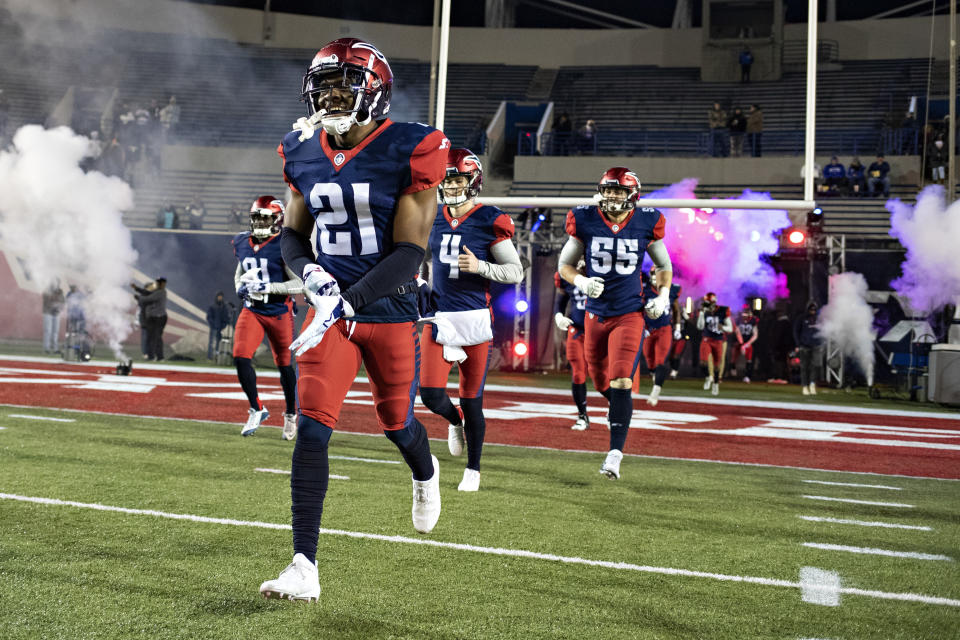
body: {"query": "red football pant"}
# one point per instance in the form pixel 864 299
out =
pixel 656 346
pixel 738 348
pixel 434 370
pixel 612 347
pixel 250 328
pixel 678 346
pixel 575 355
pixel 391 354
pixel 712 347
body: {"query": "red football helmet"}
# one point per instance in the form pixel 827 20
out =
pixel 355 65
pixel 618 190
pixel 266 217
pixel 462 163
pixel 710 300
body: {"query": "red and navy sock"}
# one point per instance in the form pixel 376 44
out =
pixel 437 400
pixel 248 381
pixel 621 410
pixel 309 476
pixel 474 428
pixel 414 447
pixel 660 374
pixel 288 380
pixel 580 397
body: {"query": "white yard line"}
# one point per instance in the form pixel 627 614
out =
pixel 877 552
pixel 286 472
pixel 26 417
pixel 819 586
pixel 852 484
pixel 869 502
pixel 497 551
pixel 501 444
pixel 865 523
pixel 375 460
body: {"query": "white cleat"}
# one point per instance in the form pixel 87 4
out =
pixel 582 423
pixel 254 420
pixel 654 396
pixel 805 391
pixel 813 389
pixel 715 389
pixel 746 379
pixel 470 482
pixel 426 501
pixel 289 426
pixel 707 383
pixel 299 581
pixel 611 466
pixel 455 439
pixel 673 374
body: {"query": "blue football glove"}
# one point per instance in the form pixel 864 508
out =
pixel 243 291
pixel 327 310
pixel 317 282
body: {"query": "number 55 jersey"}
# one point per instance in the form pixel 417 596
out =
pixel 352 195
pixel 614 252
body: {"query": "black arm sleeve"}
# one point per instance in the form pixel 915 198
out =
pixel 397 268
pixel 296 250
pixel 560 302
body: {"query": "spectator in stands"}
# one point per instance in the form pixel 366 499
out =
pixel 807 338
pixel 717 119
pixel 817 175
pixel 937 161
pixel 909 134
pixel 755 130
pixel 167 217
pixel 169 118
pixel 155 315
pixel 53 301
pixel 834 177
pixel 878 174
pixel 856 180
pixel 562 132
pixel 240 215
pixel 196 213
pixel 738 126
pixel 587 138
pixel 746 61
pixel 142 321
pixel 218 317
pixel 113 159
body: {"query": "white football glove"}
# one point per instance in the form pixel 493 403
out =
pixel 251 278
pixel 327 310
pixel 317 282
pixel 563 322
pixel 677 334
pixel 591 287
pixel 657 307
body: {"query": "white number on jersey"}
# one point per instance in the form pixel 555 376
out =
pixel 253 263
pixel 712 323
pixel 620 254
pixel 450 252
pixel 327 199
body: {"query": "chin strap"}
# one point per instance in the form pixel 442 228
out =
pixel 307 126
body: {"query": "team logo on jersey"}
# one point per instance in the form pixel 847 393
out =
pixel 454 222
pixel 615 228
pixel 338 159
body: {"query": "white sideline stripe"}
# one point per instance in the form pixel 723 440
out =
pixel 498 551
pixel 848 500
pixel 819 586
pixel 853 484
pixel 503 444
pixel 364 459
pixel 766 404
pixel 865 523
pixel 286 472
pixel 878 552
pixel 22 415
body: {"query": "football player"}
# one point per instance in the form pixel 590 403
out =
pixel 572 325
pixel 266 286
pixel 683 330
pixel 747 331
pixel 470 245
pixel 658 337
pixel 611 237
pixel 366 186
pixel 714 321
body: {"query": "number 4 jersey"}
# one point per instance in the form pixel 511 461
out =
pixel 352 195
pixel 614 252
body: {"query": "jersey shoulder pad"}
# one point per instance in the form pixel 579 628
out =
pixel 648 210
pixel 292 148
pixel 240 238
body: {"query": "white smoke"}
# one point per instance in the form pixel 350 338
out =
pixel 847 320
pixel 66 226
pixel 930 232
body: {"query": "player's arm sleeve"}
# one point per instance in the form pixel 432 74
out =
pixel 428 163
pixel 571 252
pixel 727 324
pixel 507 268
pixel 291 286
pixel 560 302
pixel 295 249
pixel 236 277
pixel 700 320
pixel 386 277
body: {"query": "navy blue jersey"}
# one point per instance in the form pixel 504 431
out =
pixel 649 293
pixel 352 195
pixel 578 310
pixel 266 257
pixel 747 326
pixel 479 229
pixel 713 322
pixel 614 252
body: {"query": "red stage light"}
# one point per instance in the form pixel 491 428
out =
pixel 796 237
pixel 520 349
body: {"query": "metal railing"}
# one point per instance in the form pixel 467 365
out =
pixel 795 52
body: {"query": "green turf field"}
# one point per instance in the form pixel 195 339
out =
pixel 72 572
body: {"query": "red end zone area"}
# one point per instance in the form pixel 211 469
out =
pixel 832 438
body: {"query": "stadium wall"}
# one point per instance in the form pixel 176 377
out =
pixel 859 40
